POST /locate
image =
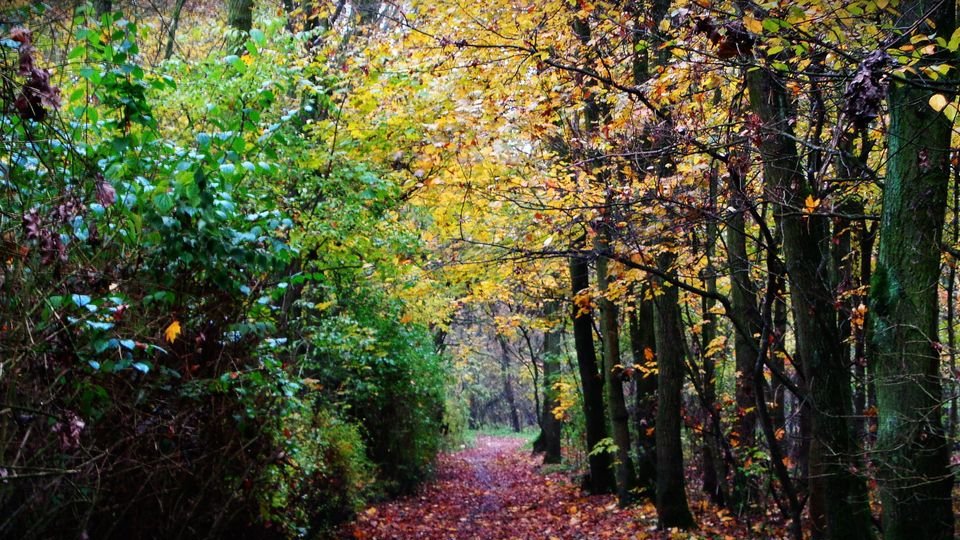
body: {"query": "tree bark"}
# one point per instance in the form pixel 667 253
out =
pixel 601 478
pixel 743 298
pixel 508 394
pixel 619 418
pixel 672 508
pixel 714 473
pixel 643 348
pixel 550 426
pixel 912 451
pixel 240 20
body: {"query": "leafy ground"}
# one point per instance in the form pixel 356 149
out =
pixel 495 490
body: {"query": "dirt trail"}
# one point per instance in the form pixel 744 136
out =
pixel 493 491
pixel 496 490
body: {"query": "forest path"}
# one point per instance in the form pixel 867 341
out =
pixel 492 490
pixel 497 490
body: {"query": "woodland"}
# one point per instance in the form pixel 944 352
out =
pixel 319 268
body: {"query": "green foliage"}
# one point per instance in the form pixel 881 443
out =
pixel 190 288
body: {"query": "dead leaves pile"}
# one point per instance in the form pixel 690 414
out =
pixel 496 491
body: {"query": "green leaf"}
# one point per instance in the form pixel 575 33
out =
pixel 771 25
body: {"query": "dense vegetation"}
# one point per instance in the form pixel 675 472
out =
pixel 203 329
pixel 261 259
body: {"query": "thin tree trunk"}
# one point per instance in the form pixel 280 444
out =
pixel 550 426
pixel 172 31
pixel 951 306
pixel 714 472
pixel 601 478
pixel 612 368
pixel 777 358
pixel 643 348
pixel 743 298
pixel 859 337
pixel 102 6
pixel 508 394
pixel 672 508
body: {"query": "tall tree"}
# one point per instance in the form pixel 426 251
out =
pixel 806 244
pixel 550 425
pixel 619 418
pixel 714 471
pixel 912 451
pixel 643 349
pixel 672 508
pixel 601 478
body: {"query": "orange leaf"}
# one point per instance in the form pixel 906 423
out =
pixel 172 331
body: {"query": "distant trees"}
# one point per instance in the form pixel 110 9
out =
pixel 740 168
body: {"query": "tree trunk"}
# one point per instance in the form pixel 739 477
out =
pixel 672 509
pixel 102 6
pixel 550 426
pixel 240 20
pixel 601 475
pixel 172 31
pixel 951 306
pixel 613 370
pixel 777 358
pixel 508 395
pixel 912 451
pixel 860 337
pixel 714 473
pixel 806 240
pixel 743 298
pixel 643 347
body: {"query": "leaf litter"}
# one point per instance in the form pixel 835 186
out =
pixel 497 490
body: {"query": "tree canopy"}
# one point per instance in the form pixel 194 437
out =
pixel 262 261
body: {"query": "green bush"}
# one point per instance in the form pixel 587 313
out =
pixel 179 322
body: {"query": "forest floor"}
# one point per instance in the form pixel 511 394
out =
pixel 497 490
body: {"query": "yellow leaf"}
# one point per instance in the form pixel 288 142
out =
pixel 810 204
pixel 716 345
pixel 938 102
pixel 172 331
pixel 753 25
